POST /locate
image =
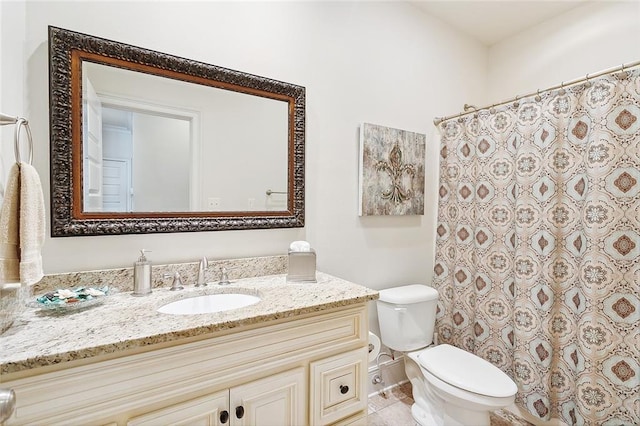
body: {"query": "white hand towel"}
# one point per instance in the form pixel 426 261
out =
pixel 9 225
pixel 22 227
pixel 33 221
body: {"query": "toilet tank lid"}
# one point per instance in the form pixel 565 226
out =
pixel 414 293
pixel 467 371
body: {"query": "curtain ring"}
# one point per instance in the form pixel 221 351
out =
pixel 515 102
pixel 538 98
pixel 588 83
pixel 623 74
pixel 562 91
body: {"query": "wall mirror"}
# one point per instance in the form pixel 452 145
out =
pixel 143 141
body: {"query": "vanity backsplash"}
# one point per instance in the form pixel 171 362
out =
pixel 122 278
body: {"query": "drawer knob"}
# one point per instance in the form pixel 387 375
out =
pixel 239 411
pixel 224 417
pixel 344 389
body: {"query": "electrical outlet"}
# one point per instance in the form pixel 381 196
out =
pixel 214 203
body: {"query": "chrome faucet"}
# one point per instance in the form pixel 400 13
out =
pixel 204 264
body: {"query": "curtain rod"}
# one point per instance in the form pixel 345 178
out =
pixel 623 67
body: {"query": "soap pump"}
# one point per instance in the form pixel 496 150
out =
pixel 142 275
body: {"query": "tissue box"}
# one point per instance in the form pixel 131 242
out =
pixel 302 266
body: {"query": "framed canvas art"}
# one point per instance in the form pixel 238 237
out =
pixel 391 171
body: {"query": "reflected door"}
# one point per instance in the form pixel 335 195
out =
pixel 116 185
pixel 92 149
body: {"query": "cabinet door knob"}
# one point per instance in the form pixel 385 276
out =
pixel 224 416
pixel 344 389
pixel 239 411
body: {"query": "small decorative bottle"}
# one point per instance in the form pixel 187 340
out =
pixel 142 275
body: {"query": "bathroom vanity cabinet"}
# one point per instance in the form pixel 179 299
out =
pixel 304 369
pixel 277 399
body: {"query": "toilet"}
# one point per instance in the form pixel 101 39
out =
pixel 450 386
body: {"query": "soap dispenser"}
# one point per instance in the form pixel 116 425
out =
pixel 142 275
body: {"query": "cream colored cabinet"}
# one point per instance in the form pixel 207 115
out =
pixel 274 400
pixel 307 370
pixel 338 387
pixel 204 411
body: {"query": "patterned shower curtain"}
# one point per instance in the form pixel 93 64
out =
pixel 538 247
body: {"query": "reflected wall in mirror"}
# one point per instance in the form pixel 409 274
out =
pixel 143 141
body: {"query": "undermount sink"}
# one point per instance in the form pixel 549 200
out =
pixel 209 304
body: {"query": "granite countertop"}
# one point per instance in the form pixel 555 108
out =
pixel 39 339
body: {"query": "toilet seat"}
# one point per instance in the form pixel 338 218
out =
pixel 465 399
pixel 466 371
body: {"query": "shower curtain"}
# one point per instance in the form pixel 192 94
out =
pixel 538 247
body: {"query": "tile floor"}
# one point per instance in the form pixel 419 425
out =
pixel 394 409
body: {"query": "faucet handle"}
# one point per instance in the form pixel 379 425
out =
pixel 177 281
pixel 224 276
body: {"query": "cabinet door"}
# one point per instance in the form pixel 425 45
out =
pixel 275 400
pixel 203 411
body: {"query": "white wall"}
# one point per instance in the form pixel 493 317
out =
pixel 585 40
pixel 12 78
pixel 379 62
pixel 384 63
pixel 390 65
pixel 160 169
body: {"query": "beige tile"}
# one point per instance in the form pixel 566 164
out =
pixel 375 420
pixel 397 414
pixel 498 421
pixel 402 391
pixel 389 397
pixel 507 418
pixel 383 400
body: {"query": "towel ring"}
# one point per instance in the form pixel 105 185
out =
pixel 21 122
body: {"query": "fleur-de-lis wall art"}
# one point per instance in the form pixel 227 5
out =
pixel 396 170
pixel 391 171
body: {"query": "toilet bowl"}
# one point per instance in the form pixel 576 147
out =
pixel 464 387
pixel 450 386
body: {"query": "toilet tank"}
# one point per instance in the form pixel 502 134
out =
pixel 407 316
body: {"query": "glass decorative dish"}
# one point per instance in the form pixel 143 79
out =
pixel 68 300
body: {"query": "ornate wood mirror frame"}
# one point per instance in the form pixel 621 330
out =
pixel 67 51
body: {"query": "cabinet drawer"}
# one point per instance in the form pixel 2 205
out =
pixel 338 386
